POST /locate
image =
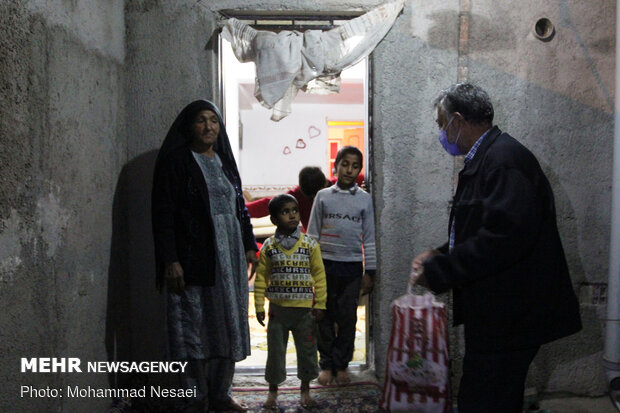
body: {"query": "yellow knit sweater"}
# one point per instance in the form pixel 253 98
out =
pixel 290 278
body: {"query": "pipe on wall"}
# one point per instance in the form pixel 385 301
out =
pixel 611 358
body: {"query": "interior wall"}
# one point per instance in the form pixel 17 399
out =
pixel 264 140
pixel 555 96
pixel 62 147
pixel 560 104
pixel 88 90
pixel 170 63
pixel 412 174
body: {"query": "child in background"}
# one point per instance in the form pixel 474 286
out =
pixel 311 181
pixel 342 220
pixel 291 275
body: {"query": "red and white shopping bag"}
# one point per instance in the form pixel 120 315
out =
pixel 416 373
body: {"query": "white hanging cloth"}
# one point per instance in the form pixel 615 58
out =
pixel 311 60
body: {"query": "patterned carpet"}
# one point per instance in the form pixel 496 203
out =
pixel 258 339
pixel 357 397
pixel 360 396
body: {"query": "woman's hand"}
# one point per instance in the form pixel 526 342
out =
pixel 174 277
pixel 252 260
pixel 367 284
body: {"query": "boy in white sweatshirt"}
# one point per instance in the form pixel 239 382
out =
pixel 342 220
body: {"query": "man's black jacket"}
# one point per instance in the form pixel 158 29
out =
pixel 507 270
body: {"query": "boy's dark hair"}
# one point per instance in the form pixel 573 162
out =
pixel 348 150
pixel 278 201
pixel 311 180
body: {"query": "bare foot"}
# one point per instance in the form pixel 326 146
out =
pixel 307 400
pixel 342 377
pixel 272 401
pixel 228 405
pixel 325 377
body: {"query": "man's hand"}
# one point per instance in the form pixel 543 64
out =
pixel 260 317
pixel 367 284
pixel 174 277
pixel 317 314
pixel 422 281
pixel 417 268
pixel 252 260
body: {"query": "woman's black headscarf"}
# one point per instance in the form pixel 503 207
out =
pixel 179 134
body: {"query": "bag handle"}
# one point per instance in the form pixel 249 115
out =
pixel 427 299
pixel 410 287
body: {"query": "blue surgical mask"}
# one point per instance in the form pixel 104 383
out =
pixel 451 148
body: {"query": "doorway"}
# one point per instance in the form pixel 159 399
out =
pixel 343 133
pixel 270 154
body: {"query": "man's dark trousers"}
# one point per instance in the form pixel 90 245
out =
pixel 494 382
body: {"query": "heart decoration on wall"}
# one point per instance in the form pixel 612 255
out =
pixel 300 144
pixel 287 150
pixel 313 132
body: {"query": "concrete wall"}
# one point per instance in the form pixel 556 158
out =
pixel 88 90
pixel 413 175
pixel 555 96
pixel 62 147
pixel 560 104
pixel 551 95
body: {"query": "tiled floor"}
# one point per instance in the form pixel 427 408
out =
pixel 259 340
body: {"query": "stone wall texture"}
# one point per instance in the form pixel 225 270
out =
pixel 89 88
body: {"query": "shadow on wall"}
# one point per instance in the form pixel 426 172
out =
pixel 553 363
pixel 135 325
pixel 567 225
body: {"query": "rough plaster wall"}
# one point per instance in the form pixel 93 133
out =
pixel 557 98
pixel 168 68
pixel 169 64
pixel 549 95
pixel 62 107
pixel 554 97
pixel 61 151
pixel 413 175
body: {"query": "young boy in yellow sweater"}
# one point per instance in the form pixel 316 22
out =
pixel 291 275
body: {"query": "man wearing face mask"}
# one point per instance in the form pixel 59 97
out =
pixel 503 260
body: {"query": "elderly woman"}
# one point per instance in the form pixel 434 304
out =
pixel 203 243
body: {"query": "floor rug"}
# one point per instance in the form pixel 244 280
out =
pixel 356 397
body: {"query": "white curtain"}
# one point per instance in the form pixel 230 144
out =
pixel 311 60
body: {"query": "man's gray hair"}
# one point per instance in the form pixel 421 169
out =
pixel 469 100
